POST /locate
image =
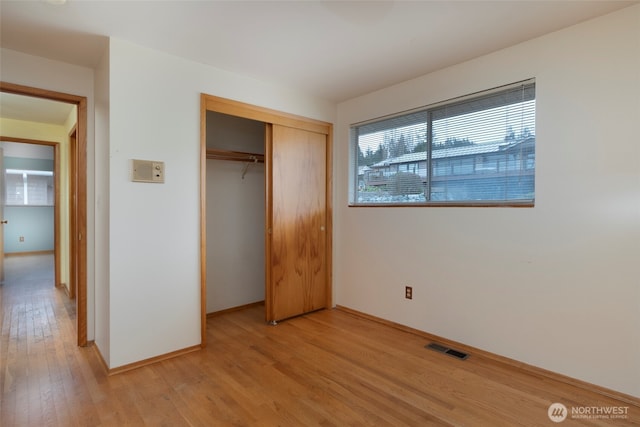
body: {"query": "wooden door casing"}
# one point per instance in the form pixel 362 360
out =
pixel 298 222
pixel 73 216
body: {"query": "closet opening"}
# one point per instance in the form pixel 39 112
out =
pixel 235 213
pixel 265 216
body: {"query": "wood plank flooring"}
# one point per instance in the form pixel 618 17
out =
pixel 329 368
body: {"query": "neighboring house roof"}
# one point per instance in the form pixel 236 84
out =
pixel 441 153
pixel 363 169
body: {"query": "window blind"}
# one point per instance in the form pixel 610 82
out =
pixel 479 149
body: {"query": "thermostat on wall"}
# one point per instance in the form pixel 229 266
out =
pixel 147 171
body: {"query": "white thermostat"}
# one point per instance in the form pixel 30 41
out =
pixel 147 171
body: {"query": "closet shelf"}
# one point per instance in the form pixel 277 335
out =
pixel 234 156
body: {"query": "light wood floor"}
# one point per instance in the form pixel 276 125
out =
pixel 328 368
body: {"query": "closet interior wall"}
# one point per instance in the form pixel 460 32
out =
pixel 235 212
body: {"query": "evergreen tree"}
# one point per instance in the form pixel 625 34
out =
pixel 452 142
pixel 420 147
pixel 361 158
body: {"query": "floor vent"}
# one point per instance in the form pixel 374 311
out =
pixel 446 350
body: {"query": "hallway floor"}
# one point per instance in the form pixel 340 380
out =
pixel 37 363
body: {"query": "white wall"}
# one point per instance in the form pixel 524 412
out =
pixel 154 235
pixel 235 234
pixel 29 70
pixel 557 285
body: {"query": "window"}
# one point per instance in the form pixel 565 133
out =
pixel 471 151
pixel 29 187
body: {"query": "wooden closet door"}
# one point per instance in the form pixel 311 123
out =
pixel 297 223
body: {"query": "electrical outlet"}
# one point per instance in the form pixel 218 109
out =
pixel 21 238
pixel 408 292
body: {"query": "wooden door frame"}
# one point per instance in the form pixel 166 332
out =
pixel 268 116
pixel 73 209
pixel 80 253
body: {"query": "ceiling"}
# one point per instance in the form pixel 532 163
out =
pixel 331 49
pixel 39 110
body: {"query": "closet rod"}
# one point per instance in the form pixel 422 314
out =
pixel 234 156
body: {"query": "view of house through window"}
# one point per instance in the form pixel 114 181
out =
pixel 475 150
pixel 29 187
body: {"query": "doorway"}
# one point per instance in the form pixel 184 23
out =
pixel 297 231
pixel 31 216
pixel 235 178
pixel 79 252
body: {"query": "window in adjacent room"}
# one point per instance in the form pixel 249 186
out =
pixel 478 150
pixel 29 187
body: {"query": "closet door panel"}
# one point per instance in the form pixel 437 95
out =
pixel 298 282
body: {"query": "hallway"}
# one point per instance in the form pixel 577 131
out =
pixel 40 361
